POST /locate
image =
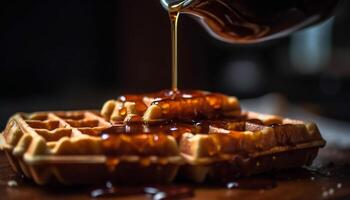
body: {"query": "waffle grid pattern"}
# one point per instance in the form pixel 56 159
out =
pixel 66 146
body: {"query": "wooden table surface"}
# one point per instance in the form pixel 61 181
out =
pixel 330 181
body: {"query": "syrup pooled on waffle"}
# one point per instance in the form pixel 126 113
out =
pixel 171 105
pixel 213 136
pixel 156 137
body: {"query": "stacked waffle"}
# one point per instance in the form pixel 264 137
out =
pixel 156 137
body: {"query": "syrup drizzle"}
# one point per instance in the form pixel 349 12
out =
pixel 174 17
pixel 167 95
pixel 137 137
pixel 184 104
pixel 150 138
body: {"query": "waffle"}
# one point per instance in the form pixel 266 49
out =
pixel 215 138
pixel 67 147
pixel 156 138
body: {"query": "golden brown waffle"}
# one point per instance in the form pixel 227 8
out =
pixel 230 141
pixel 146 138
pixel 68 147
pixel 256 143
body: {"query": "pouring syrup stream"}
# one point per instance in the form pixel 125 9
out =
pixel 174 19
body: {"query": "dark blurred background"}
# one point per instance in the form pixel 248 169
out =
pixel 75 54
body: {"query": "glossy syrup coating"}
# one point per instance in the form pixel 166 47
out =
pixel 172 105
pixel 185 111
pixel 144 139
